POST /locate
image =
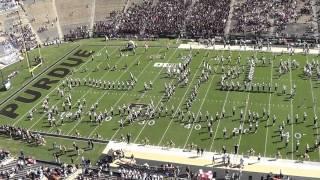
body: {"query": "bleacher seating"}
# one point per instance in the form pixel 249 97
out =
pixel 105 7
pixel 31 169
pixel 73 14
pixel 43 19
pixel 7 5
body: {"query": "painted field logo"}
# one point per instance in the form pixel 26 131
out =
pixel 164 65
pixel 32 93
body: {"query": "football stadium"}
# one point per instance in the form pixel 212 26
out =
pixel 159 89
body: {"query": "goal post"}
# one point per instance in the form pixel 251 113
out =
pixel 33 68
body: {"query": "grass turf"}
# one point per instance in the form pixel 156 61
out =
pixel 210 98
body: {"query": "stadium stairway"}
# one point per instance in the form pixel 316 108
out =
pixel 74 175
pixel 6 161
pixel 92 18
pixel 21 174
pixel 25 20
pixel 314 18
pixel 58 19
pixel 228 23
pixel 127 5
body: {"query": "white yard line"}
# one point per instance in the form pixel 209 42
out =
pixel 140 74
pixel 99 99
pixel 245 113
pixel 40 101
pixel 269 108
pixel 244 116
pixel 156 107
pixel 314 105
pixel 182 100
pixel 204 99
pixel 223 107
pixel 291 108
pixel 60 99
pixel 215 133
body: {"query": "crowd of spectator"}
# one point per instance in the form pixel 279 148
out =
pixel 203 18
pixel 59 172
pixel 18 35
pixel 104 27
pixel 46 26
pixel 29 168
pixel 80 32
pixel 6 5
pixel 135 19
pixel 168 17
pixel 208 18
pixel 130 171
pixel 24 134
pixel 258 16
pixel 4 155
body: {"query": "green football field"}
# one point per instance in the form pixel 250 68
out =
pixel 171 128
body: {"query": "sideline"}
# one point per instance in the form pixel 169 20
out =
pixel 180 156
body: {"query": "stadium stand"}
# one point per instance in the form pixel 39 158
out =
pixel 280 17
pixel 29 168
pixel 43 19
pixel 16 28
pixel 104 8
pixel 7 5
pixel 145 18
pixel 23 134
pixel 74 14
pixel 8 54
pixel 4 155
pixel 208 18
